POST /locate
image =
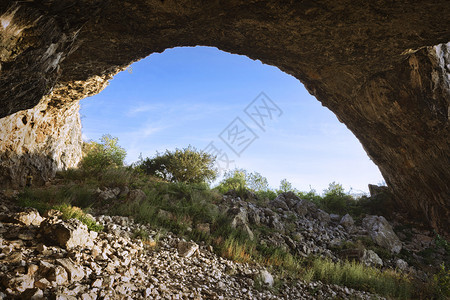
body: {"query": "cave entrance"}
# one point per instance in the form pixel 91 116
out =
pixel 192 95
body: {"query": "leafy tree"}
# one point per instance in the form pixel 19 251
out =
pixel 233 180
pixel 99 156
pixel 334 189
pixel 256 182
pixel 335 199
pixel 186 165
pixel 242 181
pixel 285 186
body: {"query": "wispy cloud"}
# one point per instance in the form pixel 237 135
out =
pixel 147 130
pixel 141 109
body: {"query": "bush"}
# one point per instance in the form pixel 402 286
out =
pixel 335 199
pixel 286 186
pixel 73 212
pixel 182 165
pixel 61 198
pixel 441 283
pixel 233 180
pixel 242 181
pixel 256 182
pixel 103 155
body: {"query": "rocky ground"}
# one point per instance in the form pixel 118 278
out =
pixel 45 257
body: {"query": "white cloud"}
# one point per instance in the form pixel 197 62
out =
pixel 147 130
pixel 140 109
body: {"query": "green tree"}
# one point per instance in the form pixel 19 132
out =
pixel 242 181
pixel 285 186
pixel 334 189
pixel 256 182
pixel 233 180
pixel 186 165
pixel 335 200
pixel 99 156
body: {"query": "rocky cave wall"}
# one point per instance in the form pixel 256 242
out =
pixel 36 142
pixel 381 66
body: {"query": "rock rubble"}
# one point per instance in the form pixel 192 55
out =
pixel 35 264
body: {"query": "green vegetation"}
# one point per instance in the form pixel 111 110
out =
pixel 177 199
pixel 441 283
pixel 186 165
pixel 59 199
pixel 73 212
pixel 233 180
pixel 103 155
pixel 242 182
pixel 358 276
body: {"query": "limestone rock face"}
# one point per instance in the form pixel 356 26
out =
pixel 34 143
pixel 381 67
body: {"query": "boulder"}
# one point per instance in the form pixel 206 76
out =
pixel 239 216
pixel 32 294
pixel 276 224
pixel 347 222
pixel 279 203
pixel 240 220
pixel 187 249
pixel 335 217
pixel 18 283
pixel 253 217
pixel 322 216
pixel 382 233
pixel 29 216
pixel 370 258
pixel 266 278
pixel 68 234
pixel 75 273
pixel 108 193
pixel 401 264
pixel 304 206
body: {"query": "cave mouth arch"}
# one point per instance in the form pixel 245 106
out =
pixel 380 67
pixel 189 95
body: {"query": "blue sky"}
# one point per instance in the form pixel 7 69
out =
pixel 190 95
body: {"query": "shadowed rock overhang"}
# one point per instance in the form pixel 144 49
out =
pixel 381 66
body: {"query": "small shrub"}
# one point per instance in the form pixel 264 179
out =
pixel 442 243
pixel 233 180
pixel 310 196
pixel 141 234
pixel 268 194
pixel 441 283
pixel 73 212
pixel 335 200
pixel 256 182
pixel 116 177
pixel 286 186
pixel 241 182
pixel 186 165
pixel 103 155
